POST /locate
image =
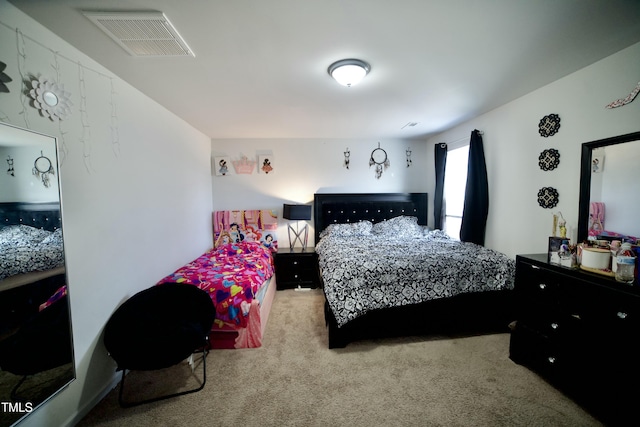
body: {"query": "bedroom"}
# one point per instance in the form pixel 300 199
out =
pixel 114 190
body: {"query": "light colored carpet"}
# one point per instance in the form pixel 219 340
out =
pixel 295 380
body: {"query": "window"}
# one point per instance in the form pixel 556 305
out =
pixel 455 182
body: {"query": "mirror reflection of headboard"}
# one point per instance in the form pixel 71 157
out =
pixel 616 183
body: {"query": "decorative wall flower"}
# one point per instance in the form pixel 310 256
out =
pixel 50 98
pixel 4 78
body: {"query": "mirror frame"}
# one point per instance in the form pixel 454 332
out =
pixel 23 409
pixel 585 177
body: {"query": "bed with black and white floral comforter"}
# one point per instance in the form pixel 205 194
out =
pixel 397 262
pixel 25 249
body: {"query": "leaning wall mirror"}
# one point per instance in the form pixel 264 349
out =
pixel 36 349
pixel 609 202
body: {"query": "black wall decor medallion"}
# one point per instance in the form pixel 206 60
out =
pixel 549 159
pixel 549 125
pixel 548 197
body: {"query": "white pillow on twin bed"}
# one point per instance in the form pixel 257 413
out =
pixel 361 228
pixel 404 227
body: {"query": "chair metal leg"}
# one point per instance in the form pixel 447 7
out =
pixel 126 404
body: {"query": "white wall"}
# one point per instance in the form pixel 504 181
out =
pixel 512 144
pixel 308 166
pixel 136 203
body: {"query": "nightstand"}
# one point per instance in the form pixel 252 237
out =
pixel 296 268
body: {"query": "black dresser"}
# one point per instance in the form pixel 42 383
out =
pixel 581 332
pixel 296 268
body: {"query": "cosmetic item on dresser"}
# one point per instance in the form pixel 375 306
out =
pixel 625 264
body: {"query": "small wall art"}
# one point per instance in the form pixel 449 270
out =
pixel 597 163
pixel 548 197
pixel 4 78
pixel 265 163
pixel 624 101
pixel 549 125
pixel 244 165
pixel 549 159
pixel 221 165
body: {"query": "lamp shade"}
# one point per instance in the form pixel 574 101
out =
pixel 296 212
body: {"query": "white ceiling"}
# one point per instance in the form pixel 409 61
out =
pixel 260 66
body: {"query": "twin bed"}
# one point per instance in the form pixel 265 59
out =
pixel 238 275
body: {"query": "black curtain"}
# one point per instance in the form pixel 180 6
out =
pixel 476 199
pixel 440 155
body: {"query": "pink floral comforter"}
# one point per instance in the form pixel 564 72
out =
pixel 232 274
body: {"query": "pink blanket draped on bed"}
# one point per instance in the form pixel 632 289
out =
pixel 232 275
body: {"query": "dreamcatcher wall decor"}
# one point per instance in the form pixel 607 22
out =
pixel 379 158
pixel 10 171
pixel 408 153
pixel 42 168
pixel 347 154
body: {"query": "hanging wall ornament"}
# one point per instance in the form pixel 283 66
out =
pixel 347 154
pixel 4 78
pixel 50 99
pixel 42 168
pixel 10 171
pixel 379 158
pixel 549 125
pixel 408 152
pixel 627 99
pixel 548 197
pixel 549 159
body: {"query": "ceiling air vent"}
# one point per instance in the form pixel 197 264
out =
pixel 145 34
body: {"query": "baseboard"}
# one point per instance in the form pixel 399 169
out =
pixel 86 408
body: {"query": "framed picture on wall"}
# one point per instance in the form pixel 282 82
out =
pixel 266 163
pixel 597 163
pixel 222 165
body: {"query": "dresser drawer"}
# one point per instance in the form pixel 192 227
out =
pixel 551 360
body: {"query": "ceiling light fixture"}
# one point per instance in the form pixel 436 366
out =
pixel 349 72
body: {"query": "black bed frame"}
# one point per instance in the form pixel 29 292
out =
pixel 462 315
pixel 39 215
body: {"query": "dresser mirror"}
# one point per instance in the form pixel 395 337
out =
pixel 609 181
pixel 36 349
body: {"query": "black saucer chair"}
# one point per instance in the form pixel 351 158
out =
pixel 157 328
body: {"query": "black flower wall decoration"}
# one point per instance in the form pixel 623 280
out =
pixel 4 78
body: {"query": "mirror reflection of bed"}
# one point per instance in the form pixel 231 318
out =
pixel 36 356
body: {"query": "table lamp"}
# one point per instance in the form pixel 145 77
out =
pixel 297 213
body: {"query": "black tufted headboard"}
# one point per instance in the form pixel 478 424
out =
pixel 340 208
pixel 39 215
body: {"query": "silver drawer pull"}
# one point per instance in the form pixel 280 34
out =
pixel 295 276
pixel 551 360
pixel 542 285
pixel 621 315
pixel 535 267
pixel 295 262
pixel 554 326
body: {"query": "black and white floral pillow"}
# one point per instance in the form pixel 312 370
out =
pixel 402 227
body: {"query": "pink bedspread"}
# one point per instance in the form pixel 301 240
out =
pixel 232 275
